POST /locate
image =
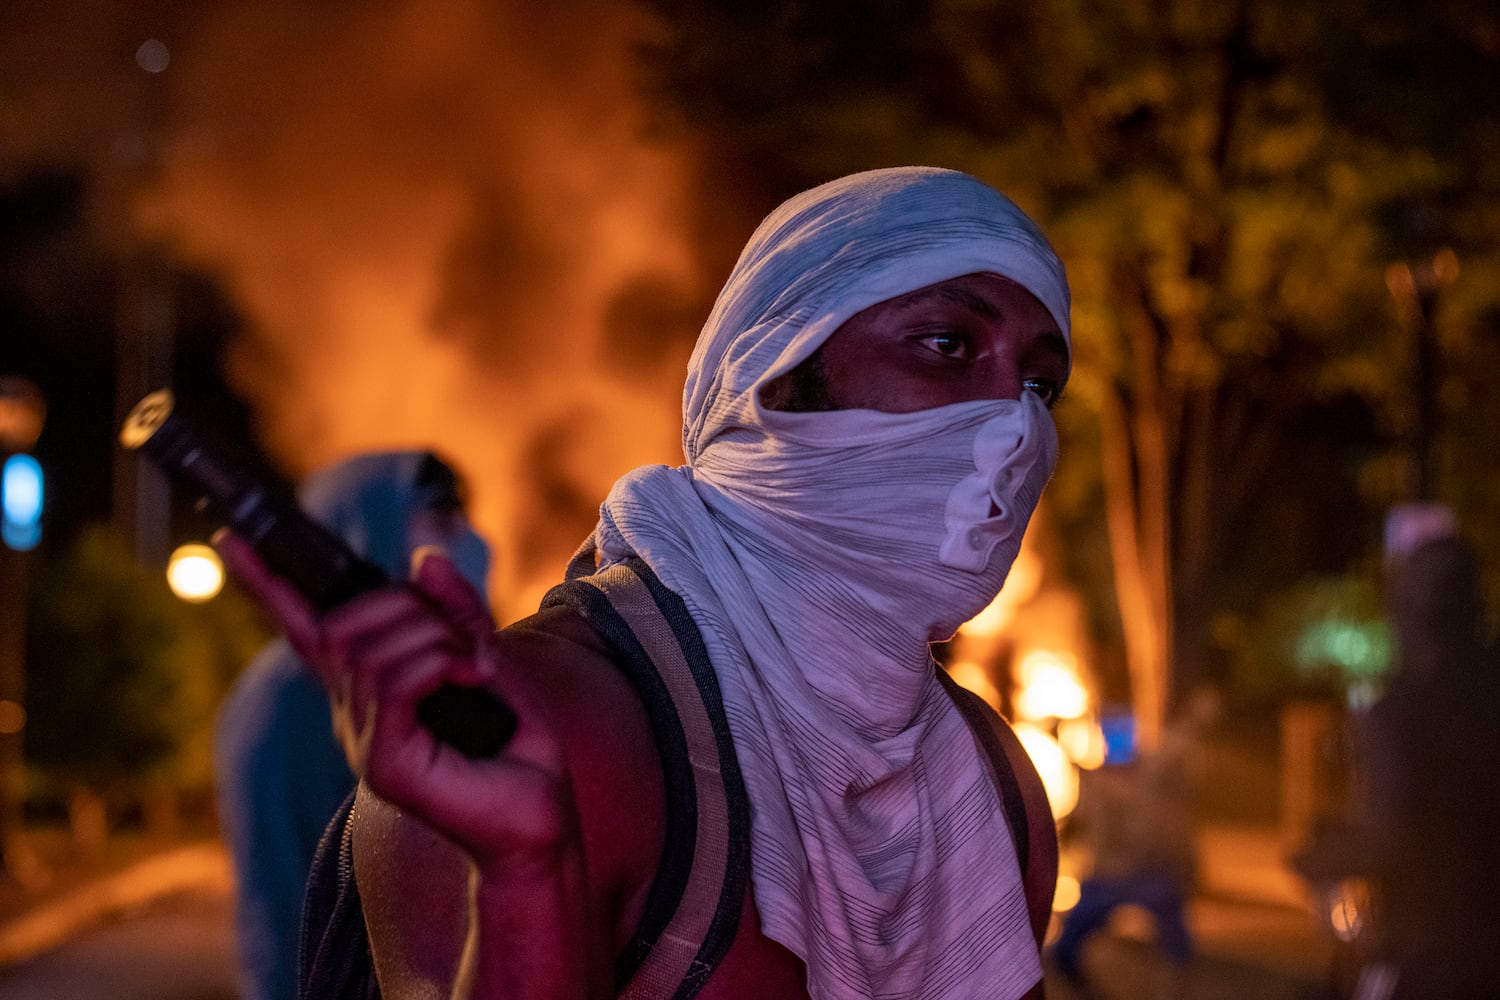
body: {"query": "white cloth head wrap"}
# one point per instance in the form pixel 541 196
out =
pixel 820 553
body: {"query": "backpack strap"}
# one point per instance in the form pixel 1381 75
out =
pixel 694 903
pixel 1027 811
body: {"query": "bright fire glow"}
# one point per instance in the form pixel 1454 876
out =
pixel 195 573
pixel 971 675
pixel 445 228
pixel 1067 894
pixel 1050 687
pixel 1020 586
pixel 1059 776
pixel 1083 741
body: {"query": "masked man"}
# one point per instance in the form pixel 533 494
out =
pixel 867 432
pixel 280 773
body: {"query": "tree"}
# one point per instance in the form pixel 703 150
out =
pixel 1219 179
pixel 123 679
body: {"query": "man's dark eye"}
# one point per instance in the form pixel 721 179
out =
pixel 949 345
pixel 1047 388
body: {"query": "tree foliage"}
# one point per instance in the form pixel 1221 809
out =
pixel 123 679
pixel 1228 184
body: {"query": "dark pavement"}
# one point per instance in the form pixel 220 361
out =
pixel 161 931
pixel 176 948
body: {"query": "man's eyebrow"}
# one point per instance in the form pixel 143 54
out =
pixel 960 296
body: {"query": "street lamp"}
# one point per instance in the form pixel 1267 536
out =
pixel 21 412
pixel 195 573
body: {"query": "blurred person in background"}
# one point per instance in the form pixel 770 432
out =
pixel 280 772
pixel 1138 821
pixel 867 430
pixel 1425 818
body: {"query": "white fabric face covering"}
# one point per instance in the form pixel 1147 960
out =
pixel 876 519
pixel 820 554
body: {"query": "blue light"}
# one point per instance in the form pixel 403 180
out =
pixel 21 537
pixel 1118 727
pixel 21 502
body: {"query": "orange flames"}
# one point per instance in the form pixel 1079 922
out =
pixel 445 229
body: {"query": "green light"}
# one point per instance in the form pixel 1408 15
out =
pixel 1356 648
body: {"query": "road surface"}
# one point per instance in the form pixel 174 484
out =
pixel 175 948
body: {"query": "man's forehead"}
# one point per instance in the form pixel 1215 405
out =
pixel 982 291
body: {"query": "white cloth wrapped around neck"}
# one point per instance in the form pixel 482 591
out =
pixel 820 554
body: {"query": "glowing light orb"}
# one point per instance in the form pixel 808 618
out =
pixel 1067 894
pixel 1083 741
pixel 12 717
pixel 21 502
pixel 1050 687
pixel 968 674
pixel 1059 776
pixel 153 56
pixel 195 573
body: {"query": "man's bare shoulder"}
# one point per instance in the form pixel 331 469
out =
pixel 610 748
pixel 558 631
pixel 755 967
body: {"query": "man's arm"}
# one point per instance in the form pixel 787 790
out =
pixel 440 926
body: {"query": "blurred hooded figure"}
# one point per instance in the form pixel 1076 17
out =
pixel 280 772
pixel 1429 757
pixel 1137 819
pixel 1426 813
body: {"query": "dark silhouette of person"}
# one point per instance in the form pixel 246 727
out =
pixel 1138 819
pixel 1425 817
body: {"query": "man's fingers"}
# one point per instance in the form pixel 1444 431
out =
pixel 433 573
pixel 297 618
pixel 371 659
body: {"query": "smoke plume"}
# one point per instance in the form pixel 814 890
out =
pixel 445 228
